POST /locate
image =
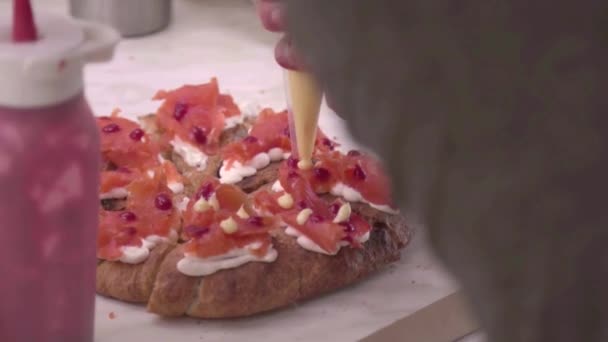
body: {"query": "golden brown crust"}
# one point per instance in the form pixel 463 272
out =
pixel 131 283
pixel 297 274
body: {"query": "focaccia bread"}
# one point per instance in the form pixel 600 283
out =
pixel 204 213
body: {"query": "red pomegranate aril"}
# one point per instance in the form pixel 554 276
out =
pixel 321 174
pixel 196 231
pixel 353 153
pixel 348 227
pixel 111 128
pixel 286 132
pixel 128 216
pixel 292 174
pixel 163 202
pixel 302 204
pixel 334 208
pixel 359 173
pixel 180 110
pixel 136 134
pixel 250 139
pixel 348 239
pixel 328 143
pixel 316 218
pixel 199 135
pixel 205 191
pixel 256 221
pixel 292 162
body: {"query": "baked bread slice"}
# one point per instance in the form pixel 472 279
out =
pixel 296 275
pixel 131 283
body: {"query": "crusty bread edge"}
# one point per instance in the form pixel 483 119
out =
pixel 296 275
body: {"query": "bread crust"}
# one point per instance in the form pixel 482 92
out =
pixel 131 283
pixel 296 275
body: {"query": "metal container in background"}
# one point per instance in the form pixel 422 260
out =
pixel 131 18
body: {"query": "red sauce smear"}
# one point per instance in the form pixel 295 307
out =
pixel 204 233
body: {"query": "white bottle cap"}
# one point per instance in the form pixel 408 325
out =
pixel 49 71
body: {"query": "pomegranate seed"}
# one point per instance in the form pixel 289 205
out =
pixel 292 162
pixel 163 202
pixel 196 231
pixel 292 174
pixel 302 204
pixel 137 134
pixel 181 109
pixel 199 135
pixel 250 139
pixel 353 153
pixel 111 128
pixel 128 216
pixel 359 173
pixel 328 143
pixel 123 170
pixel 316 218
pixel 348 239
pixel 205 191
pixel 286 132
pixel 334 208
pixel 348 227
pixel 322 174
pixel 256 221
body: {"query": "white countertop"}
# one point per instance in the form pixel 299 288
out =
pixel 223 38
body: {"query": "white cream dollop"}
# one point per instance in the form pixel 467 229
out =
pixel 310 245
pixel 116 193
pixel 238 171
pixel 138 254
pixel 352 195
pixel 277 187
pixel 176 187
pixel 183 204
pixel 194 266
pixel 191 154
pixel 233 121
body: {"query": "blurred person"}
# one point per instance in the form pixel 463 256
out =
pixel 491 118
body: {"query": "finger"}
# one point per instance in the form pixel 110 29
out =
pixel 272 14
pixel 287 55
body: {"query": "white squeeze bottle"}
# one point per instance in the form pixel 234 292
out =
pixel 49 170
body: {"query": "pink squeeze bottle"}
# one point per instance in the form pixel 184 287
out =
pixel 49 170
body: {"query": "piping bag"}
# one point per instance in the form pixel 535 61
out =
pixel 304 98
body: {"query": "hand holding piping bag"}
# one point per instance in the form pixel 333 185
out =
pixel 304 96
